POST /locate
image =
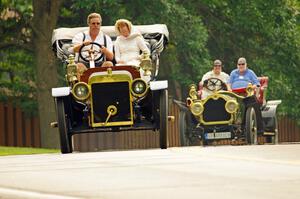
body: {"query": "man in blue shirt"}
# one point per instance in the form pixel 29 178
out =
pixel 242 76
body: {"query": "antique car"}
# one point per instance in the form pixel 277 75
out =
pixel 111 98
pixel 223 115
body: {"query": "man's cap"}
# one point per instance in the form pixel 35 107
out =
pixel 241 60
pixel 217 62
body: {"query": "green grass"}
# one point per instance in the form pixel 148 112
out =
pixel 24 151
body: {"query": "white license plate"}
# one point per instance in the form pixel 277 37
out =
pixel 217 135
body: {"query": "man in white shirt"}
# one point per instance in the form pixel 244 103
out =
pixel 94 34
pixel 216 72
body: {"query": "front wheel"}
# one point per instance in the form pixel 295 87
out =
pixel 63 128
pixel 251 126
pixel 163 119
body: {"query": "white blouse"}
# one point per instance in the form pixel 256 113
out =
pixel 127 49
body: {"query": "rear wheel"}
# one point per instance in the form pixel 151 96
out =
pixel 251 126
pixel 163 119
pixel 274 138
pixel 63 128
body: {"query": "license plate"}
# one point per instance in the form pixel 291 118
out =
pixel 217 135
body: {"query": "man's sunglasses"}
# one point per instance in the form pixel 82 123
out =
pixel 241 64
pixel 96 23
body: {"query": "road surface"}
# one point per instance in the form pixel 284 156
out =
pixel 227 172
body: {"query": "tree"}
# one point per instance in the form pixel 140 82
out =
pixel 45 14
pixel 17 79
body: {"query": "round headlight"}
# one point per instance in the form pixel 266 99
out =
pixel 81 91
pixel 139 87
pixel 197 108
pixel 231 106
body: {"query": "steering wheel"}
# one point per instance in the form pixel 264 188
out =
pixel 91 52
pixel 214 84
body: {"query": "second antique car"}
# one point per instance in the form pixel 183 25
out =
pixel 111 98
pixel 224 116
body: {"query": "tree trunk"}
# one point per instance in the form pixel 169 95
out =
pixel 44 21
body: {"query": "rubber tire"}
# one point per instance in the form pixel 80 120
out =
pixel 183 128
pixel 163 119
pixel 251 126
pixel 65 137
pixel 276 136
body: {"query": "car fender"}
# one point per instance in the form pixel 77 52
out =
pixel 269 115
pixel 61 91
pixel 158 85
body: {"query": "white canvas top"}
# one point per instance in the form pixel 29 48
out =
pixel 69 33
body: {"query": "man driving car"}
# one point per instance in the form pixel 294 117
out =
pixel 94 34
pixel 213 75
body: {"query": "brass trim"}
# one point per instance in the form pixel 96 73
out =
pixel 236 106
pixel 193 91
pixel 109 124
pixel 216 96
pixel 135 94
pixel 249 90
pixel 81 98
pixel 112 109
pixel 111 79
pixel 193 104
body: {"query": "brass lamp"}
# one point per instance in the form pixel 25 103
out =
pixel 71 75
pixel 146 64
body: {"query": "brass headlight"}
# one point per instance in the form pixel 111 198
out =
pixel 197 108
pixel 231 106
pixel 81 91
pixel 139 87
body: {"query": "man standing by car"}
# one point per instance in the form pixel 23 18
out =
pixel 217 73
pixel 94 34
pixel 240 78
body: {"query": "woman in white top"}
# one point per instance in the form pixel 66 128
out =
pixel 128 44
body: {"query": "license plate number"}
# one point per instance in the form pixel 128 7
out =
pixel 217 135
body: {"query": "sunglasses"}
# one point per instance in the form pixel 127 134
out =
pixel 217 65
pixel 241 64
pixel 96 23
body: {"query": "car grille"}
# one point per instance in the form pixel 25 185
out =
pixel 214 111
pixel 107 94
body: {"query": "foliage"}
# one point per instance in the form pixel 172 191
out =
pixel 266 33
pixel 17 79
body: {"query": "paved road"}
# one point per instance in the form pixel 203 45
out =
pixel 264 171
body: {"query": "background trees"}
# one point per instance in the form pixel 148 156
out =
pixel 267 33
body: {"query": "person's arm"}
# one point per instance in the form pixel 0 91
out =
pixel 229 87
pixel 255 80
pixel 108 50
pixel 142 45
pixel 78 46
pixel 229 82
pixel 77 42
pixel 117 52
pixel 108 54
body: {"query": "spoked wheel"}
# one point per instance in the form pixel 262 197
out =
pixel 63 128
pixel 251 126
pixel 163 121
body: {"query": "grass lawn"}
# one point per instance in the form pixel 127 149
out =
pixel 24 150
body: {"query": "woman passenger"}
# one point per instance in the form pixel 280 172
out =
pixel 128 44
